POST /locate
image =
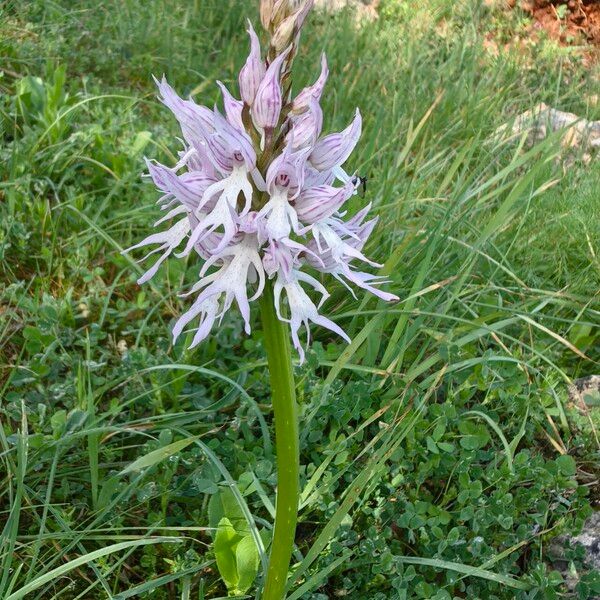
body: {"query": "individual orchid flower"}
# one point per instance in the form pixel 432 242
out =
pixel 284 182
pixel 207 310
pixel 186 189
pixel 281 256
pixel 234 156
pixel 316 204
pixel 341 244
pixel 278 256
pixel 240 263
pixel 328 238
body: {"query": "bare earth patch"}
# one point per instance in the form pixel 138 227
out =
pixel 569 22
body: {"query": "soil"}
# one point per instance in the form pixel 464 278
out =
pixel 571 22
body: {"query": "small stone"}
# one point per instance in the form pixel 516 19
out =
pixel 589 538
pixel 363 9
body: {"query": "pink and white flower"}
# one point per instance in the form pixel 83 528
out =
pixel 249 224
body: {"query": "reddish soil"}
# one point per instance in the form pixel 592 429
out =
pixel 571 22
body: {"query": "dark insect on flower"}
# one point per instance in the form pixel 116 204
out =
pixel 362 186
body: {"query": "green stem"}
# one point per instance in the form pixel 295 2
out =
pixel 286 443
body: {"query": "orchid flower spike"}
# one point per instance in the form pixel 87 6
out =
pixel 258 194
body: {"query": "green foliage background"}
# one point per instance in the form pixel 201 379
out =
pixel 438 449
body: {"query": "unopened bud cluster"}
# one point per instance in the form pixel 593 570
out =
pixel 283 20
pixel 258 192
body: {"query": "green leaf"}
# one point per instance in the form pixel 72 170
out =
pixel 467 570
pixel 109 488
pixel 156 456
pixel 224 504
pixel 566 465
pixel 206 486
pixel 85 559
pixel 58 421
pixel 431 445
pixel 246 555
pixel 226 541
pixel 475 436
pixel 499 433
pixel 237 558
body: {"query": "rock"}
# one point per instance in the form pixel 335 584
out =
pixel 578 134
pixel 589 538
pixel 364 9
pixel 585 392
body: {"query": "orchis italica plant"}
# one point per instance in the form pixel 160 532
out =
pixel 258 195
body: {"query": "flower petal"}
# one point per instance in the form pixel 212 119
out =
pixel 334 149
pixel 196 121
pixel 314 91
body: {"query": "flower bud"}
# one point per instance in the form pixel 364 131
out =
pixel 267 102
pixel 287 20
pixel 253 71
pixel 284 34
pixel 303 13
pixel 266 12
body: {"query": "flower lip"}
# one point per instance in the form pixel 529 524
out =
pixel 301 307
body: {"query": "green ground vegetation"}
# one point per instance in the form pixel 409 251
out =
pixel 440 455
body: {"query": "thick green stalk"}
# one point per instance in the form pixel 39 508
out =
pixel 283 394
